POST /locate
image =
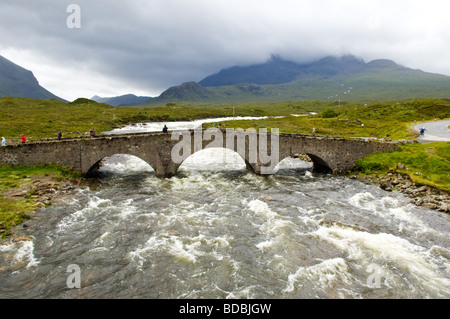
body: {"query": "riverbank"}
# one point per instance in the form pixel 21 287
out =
pixel 25 190
pixel 421 195
pixel 417 170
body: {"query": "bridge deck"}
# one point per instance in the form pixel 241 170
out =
pixel 157 148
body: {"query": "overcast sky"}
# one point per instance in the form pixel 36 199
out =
pixel 145 46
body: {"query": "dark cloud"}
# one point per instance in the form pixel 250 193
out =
pixel 144 47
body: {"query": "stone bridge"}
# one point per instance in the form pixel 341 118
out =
pixel 166 152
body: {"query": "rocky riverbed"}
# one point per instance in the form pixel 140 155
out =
pixel 421 195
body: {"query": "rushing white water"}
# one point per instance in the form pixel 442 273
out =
pixel 187 125
pixel 219 231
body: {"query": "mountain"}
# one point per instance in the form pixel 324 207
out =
pixel 190 91
pixel 123 100
pixel 16 81
pixel 346 77
pixel 275 71
pixel 278 71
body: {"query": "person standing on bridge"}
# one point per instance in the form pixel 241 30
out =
pixel 3 141
pixel 59 134
pixel 24 139
pixel 313 132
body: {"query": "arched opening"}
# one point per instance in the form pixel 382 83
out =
pixel 294 164
pixel 213 159
pixel 319 165
pixel 119 164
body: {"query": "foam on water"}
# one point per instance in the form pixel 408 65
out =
pixel 390 208
pixel 217 230
pixel 125 164
pixel 79 219
pixel 326 275
pixel 384 249
pixel 186 249
pixel 22 254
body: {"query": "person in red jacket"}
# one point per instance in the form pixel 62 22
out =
pixel 23 139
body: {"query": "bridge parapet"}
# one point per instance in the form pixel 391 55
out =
pixel 333 155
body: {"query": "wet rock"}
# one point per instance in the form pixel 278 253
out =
pixel 444 207
pixel 385 185
pixel 425 196
pixel 19 239
pixel 430 205
pixel 19 194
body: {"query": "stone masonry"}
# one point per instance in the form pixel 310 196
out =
pixel 330 155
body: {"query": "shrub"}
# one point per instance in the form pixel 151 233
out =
pixel 329 113
pixel 368 166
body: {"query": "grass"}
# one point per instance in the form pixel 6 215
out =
pixel 39 119
pixel 44 118
pixel 393 120
pixel 14 210
pixel 334 127
pixel 427 164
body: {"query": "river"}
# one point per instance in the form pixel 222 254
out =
pixel 219 231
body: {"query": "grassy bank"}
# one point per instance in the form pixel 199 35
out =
pixel 426 164
pixel 393 120
pixel 44 118
pixel 22 189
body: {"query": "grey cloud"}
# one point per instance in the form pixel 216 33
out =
pixel 155 44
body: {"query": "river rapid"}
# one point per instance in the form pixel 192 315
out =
pixel 217 230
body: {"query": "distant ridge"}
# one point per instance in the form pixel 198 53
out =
pixel 330 78
pixel 123 100
pixel 15 81
pixel 278 71
pixel 275 71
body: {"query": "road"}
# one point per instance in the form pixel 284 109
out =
pixel 436 131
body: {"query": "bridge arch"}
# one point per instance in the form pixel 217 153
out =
pixel 295 162
pixel 217 157
pixel 319 164
pixel 234 160
pixel 119 162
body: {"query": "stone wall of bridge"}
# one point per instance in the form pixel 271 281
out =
pixel 85 155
